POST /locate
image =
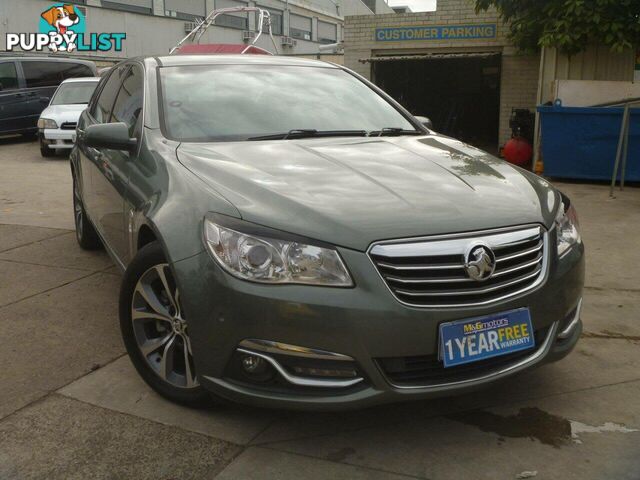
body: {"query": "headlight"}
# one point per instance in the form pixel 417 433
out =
pixel 567 226
pixel 47 123
pixel 268 259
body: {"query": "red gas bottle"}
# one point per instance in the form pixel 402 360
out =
pixel 518 151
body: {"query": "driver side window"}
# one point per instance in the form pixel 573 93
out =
pixel 104 104
pixel 128 105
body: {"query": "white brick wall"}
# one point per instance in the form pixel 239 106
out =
pixel 519 80
pixel 518 87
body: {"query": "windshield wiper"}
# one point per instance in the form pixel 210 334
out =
pixel 309 133
pixel 393 132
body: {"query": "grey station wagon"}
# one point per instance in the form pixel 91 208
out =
pixel 290 236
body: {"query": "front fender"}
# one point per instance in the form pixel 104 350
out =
pixel 167 198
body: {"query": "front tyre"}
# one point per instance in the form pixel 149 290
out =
pixel 45 151
pixel 154 329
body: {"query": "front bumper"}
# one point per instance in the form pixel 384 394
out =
pixel 58 138
pixel 365 323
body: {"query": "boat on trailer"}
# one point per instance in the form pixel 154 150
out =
pixel 190 45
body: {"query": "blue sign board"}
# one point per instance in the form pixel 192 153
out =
pixel 437 32
pixel 485 337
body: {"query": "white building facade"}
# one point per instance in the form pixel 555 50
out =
pixel 153 27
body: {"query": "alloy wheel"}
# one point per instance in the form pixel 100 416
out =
pixel 160 330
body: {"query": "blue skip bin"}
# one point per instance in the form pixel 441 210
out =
pixel 581 142
pixel 474 339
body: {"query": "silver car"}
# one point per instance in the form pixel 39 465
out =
pixel 291 236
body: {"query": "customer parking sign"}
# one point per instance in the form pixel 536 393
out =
pixel 436 32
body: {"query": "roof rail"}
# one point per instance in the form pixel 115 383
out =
pixel 263 17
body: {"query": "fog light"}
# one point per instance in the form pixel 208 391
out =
pixel 253 364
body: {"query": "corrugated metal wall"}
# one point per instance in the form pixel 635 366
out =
pixel 595 63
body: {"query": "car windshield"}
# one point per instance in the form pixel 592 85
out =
pixel 241 102
pixel 74 93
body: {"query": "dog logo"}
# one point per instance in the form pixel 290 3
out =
pixel 480 263
pixel 62 19
pixel 62 28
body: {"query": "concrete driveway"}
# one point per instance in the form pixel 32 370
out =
pixel 71 405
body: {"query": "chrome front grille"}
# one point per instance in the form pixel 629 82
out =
pixel 430 272
pixel 69 126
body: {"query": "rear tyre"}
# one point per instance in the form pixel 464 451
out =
pixel 154 329
pixel 45 151
pixel 85 232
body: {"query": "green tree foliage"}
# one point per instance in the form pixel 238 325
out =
pixel 569 25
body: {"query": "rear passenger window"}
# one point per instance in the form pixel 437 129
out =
pixel 104 104
pixel 128 105
pixel 51 74
pixel 8 76
pixel 42 74
pixel 73 70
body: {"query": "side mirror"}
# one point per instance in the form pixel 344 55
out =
pixel 114 136
pixel 424 121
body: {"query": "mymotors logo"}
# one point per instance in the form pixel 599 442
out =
pixel 63 29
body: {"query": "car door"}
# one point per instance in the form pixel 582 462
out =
pixel 96 196
pixel 116 164
pixel 12 99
